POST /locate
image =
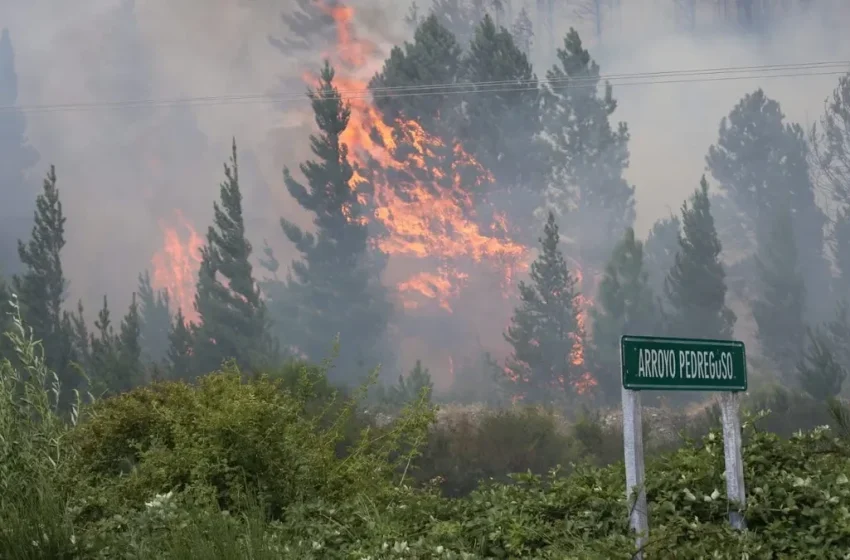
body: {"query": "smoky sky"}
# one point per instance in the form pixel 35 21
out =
pixel 125 171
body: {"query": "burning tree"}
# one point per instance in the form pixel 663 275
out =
pixel 546 331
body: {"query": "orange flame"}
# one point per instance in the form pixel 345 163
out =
pixel 420 188
pixel 175 266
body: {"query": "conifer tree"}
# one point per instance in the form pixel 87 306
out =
pixel 760 163
pixel 233 322
pixel 155 312
pixel 523 32
pixel 820 373
pixel 840 245
pixel 545 328
pixel 625 304
pixel 104 346
pixel 831 144
pixel 81 340
pixel 17 156
pixel 434 57
pixel 591 154
pixel 695 287
pixel 838 330
pixel 336 282
pixel 129 373
pixel 42 286
pixel 659 251
pixel 502 127
pixel 778 311
pixel 180 343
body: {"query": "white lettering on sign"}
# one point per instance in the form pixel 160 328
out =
pixel 685 364
pixel 657 363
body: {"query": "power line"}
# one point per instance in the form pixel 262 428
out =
pixel 475 88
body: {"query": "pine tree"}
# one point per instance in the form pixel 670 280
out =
pixel 129 373
pixel 81 340
pixel 545 329
pixel 155 312
pixel 695 287
pixel 434 57
pixel 42 286
pixel 336 283
pixel 625 304
pixel 502 127
pixel 591 155
pixel 180 352
pixel 233 322
pixel 839 331
pixel 840 245
pixel 16 158
pixel 104 346
pixel 778 311
pixel 831 145
pixel 523 32
pixel 820 373
pixel 760 163
pixel 659 251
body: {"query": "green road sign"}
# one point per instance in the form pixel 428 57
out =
pixel 682 364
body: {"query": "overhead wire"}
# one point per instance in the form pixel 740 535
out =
pixel 556 83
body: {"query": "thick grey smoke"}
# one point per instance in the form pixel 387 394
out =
pixel 125 171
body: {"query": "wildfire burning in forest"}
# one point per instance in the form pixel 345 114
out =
pixel 175 266
pixel 420 191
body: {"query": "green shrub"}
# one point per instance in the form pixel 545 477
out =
pixel 34 521
pixel 230 434
pixel 467 448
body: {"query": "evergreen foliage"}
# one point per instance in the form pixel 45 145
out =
pixel 129 373
pixel 545 328
pixel 761 163
pixel 523 32
pixel 504 124
pixel 591 153
pixel 831 144
pixel 155 314
pixel 105 350
pixel 180 348
pixel 233 323
pixel 840 245
pixel 820 373
pixel 624 305
pixel 434 57
pixel 695 286
pixel 778 311
pixel 336 282
pixel 659 251
pixel 409 389
pixel 42 287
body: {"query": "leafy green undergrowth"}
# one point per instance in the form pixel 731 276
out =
pixel 798 494
pixel 253 469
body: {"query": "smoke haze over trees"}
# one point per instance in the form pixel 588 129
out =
pixel 560 133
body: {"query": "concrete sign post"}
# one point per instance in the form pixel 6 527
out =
pixel 633 448
pixel 681 364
